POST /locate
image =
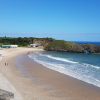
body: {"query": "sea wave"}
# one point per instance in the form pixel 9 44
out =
pixel 69 61
pixel 89 65
pixel 82 71
pixel 58 58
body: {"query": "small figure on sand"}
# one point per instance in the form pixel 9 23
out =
pixel 6 64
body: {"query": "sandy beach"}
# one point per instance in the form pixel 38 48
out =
pixel 37 82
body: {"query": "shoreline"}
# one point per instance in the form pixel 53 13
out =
pixel 62 69
pixel 41 83
pixel 47 76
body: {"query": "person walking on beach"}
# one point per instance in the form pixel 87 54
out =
pixel 5 63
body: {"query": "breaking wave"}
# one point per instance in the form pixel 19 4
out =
pixel 85 72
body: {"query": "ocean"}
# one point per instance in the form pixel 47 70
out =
pixel 85 67
pixel 94 43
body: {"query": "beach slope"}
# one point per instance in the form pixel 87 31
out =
pixel 32 81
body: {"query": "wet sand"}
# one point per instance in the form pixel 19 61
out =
pixel 36 82
pixel 55 84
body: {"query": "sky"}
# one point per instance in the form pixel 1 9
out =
pixel 72 20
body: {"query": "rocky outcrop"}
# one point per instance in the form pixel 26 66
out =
pixel 60 45
pixel 5 95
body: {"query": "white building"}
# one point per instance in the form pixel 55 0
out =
pixel 34 45
pixel 9 46
pixel 13 46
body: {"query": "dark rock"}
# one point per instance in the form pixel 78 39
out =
pixel 5 95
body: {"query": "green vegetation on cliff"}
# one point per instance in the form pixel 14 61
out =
pixel 51 44
pixel 56 45
pixel 60 45
pixel 25 41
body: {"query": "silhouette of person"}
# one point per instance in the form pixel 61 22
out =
pixel 5 63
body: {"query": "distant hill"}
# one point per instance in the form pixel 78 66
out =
pixel 51 44
pixel 60 45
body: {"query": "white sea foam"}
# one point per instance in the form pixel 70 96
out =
pixel 69 61
pixel 89 65
pixel 60 59
pixel 81 71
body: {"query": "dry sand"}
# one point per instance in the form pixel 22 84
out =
pixel 40 83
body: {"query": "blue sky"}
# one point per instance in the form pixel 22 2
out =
pixel 74 20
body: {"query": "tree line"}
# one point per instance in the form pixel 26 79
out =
pixel 23 41
pixel 51 44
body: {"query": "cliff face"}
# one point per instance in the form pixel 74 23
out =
pixel 89 47
pixel 42 42
pixel 59 45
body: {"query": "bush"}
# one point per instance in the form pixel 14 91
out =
pixel 60 45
